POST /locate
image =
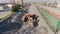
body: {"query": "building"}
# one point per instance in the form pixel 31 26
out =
pixel 58 4
pixel 3 2
pixel 10 2
pixel 19 2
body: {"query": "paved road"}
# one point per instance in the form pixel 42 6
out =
pixel 52 11
pixel 25 29
pixel 7 27
pixel 43 26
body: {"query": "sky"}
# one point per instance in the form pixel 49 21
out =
pixel 3 1
pixel 38 0
pixel 7 1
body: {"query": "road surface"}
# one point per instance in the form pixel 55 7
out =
pixel 7 28
pixel 53 12
pixel 43 27
pixel 42 22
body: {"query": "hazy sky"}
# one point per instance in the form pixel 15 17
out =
pixel 25 0
pixel 37 0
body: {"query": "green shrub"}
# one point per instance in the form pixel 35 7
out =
pixel 16 7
